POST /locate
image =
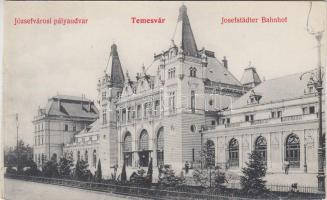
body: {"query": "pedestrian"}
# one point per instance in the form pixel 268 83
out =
pixel 187 166
pixel 287 166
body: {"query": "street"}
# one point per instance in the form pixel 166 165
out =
pixel 24 190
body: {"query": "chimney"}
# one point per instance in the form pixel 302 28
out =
pixel 59 103
pixel 89 106
pixel 225 62
pixel 82 101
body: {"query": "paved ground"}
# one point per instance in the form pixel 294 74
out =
pixel 23 190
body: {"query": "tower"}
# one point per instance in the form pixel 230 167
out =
pixel 183 73
pixel 109 89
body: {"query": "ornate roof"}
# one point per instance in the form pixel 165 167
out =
pixel 183 34
pixel 114 67
pixel 277 89
pixel 71 106
pixel 250 76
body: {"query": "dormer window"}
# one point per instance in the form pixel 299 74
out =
pixel 254 98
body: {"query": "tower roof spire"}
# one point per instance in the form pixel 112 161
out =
pixel 114 67
pixel 183 33
pixel 250 76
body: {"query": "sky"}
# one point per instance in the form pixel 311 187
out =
pixel 41 61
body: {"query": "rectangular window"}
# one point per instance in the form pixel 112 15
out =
pixel 157 108
pixel 145 109
pixel 104 117
pixel 123 115
pixel 193 101
pixel 129 114
pixel 279 114
pixel 273 114
pixel 213 122
pixel 311 110
pixel 228 120
pixel 249 118
pixel 139 112
pixel 171 101
pixel 103 95
pixel 66 127
pixel 193 155
pixel 74 128
pixel 305 110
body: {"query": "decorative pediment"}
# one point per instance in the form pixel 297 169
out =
pixel 143 84
pixel 254 98
pixel 127 89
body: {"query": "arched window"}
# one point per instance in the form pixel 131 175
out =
pixel 86 156
pixel 127 149
pixel 160 146
pixel 144 141
pixel 209 150
pixel 94 158
pixel 261 147
pixel 233 149
pixel 144 149
pixel 292 148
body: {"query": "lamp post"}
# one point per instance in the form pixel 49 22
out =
pixel 319 87
pixel 315 27
pixel 17 148
pixel 316 80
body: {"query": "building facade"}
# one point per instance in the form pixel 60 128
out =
pixel 188 97
pixel 278 118
pixel 158 115
pixel 56 124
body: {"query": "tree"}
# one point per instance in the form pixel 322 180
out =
pixel 123 176
pixel 207 154
pixel 99 172
pixel 209 175
pixel 81 170
pixel 252 180
pixel 149 173
pixel 65 167
pixel 25 153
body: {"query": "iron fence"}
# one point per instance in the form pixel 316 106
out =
pixel 181 192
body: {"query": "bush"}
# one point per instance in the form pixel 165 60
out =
pixel 138 177
pixel 169 179
pixel 11 170
pixel 32 169
pixel 50 169
pixel 210 178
